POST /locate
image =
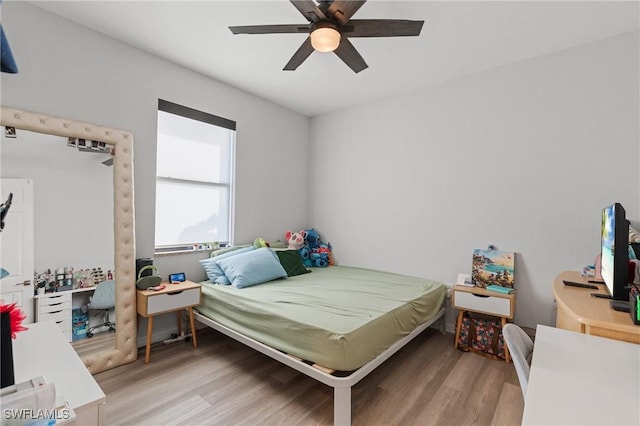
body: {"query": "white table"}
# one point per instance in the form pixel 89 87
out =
pixel 43 350
pixel 580 379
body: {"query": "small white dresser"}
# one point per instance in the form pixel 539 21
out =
pixel 55 307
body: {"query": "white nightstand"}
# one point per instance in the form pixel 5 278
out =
pixel 173 298
pixel 476 299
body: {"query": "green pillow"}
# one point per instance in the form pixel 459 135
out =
pixel 291 262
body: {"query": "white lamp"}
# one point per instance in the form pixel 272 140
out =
pixel 325 39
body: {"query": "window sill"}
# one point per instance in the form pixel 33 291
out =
pixel 178 252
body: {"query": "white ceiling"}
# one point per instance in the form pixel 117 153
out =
pixel 458 38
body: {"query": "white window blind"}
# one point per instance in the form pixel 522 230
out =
pixel 194 185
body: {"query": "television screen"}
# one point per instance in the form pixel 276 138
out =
pixel 608 226
pixel 614 251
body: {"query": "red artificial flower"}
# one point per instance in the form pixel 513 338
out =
pixel 17 316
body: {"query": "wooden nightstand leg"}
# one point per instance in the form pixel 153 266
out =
pixel 193 328
pixel 458 327
pixel 179 319
pixel 507 358
pixel 147 354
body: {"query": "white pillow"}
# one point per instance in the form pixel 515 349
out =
pixel 251 268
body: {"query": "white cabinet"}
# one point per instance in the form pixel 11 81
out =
pixel 55 307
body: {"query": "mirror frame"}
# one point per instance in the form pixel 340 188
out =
pixel 125 350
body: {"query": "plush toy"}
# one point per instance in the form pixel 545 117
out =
pixel 313 251
pixel 312 239
pixel 305 254
pixel 260 242
pixel 321 255
pixel 295 240
pixel 319 260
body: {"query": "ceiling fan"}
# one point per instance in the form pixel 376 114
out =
pixel 330 27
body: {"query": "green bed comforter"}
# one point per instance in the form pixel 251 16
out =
pixel 338 317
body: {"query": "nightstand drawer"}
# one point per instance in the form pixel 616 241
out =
pixel 491 305
pixel 168 302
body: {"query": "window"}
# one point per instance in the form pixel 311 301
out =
pixel 194 169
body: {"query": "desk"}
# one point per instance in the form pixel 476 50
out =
pixel 58 307
pixel 578 379
pixel 42 350
pixel 578 311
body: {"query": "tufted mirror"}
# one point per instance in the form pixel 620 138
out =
pixel 125 349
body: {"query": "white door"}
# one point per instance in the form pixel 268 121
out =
pixel 17 246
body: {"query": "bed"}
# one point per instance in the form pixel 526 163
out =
pixel 335 324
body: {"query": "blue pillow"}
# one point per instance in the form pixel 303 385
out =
pixel 212 269
pixel 253 267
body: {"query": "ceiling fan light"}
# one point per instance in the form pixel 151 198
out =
pixel 325 39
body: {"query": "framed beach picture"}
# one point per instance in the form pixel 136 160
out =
pixel 493 267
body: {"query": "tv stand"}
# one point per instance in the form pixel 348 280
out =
pixel 620 305
pixel 578 311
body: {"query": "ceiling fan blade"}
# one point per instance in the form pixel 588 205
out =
pixel 343 10
pixel 382 28
pixel 270 29
pixel 301 54
pixel 309 10
pixel 350 56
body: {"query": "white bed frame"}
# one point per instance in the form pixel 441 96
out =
pixel 341 385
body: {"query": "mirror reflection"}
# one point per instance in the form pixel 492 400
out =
pixel 73 247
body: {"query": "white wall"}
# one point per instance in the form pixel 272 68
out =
pixel 73 200
pixel 70 71
pixel 523 156
pixel 412 184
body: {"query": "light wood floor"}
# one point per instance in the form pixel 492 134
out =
pixel 98 343
pixel 225 383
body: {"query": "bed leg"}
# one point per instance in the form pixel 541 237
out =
pixel 442 325
pixel 342 406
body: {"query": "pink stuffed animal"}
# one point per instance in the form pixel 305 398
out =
pixel 295 239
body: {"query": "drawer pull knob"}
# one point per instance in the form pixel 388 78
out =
pixel 174 293
pixel 480 295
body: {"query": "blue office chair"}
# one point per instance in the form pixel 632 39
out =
pixel 103 299
pixel 521 349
